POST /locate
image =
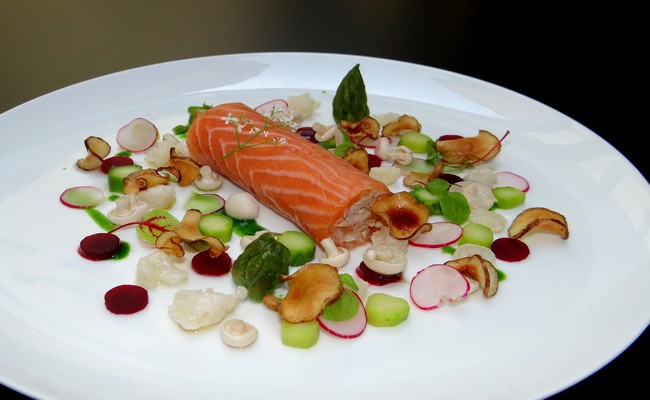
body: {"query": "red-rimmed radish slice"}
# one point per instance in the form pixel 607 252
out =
pixel 436 285
pixel 137 136
pixel 441 234
pixel 82 197
pixel 272 107
pixel 367 142
pixel 350 328
pixel 417 165
pixel 207 203
pixel 505 178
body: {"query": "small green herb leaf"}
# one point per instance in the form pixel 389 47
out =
pixel 348 281
pixel 342 309
pixel 455 207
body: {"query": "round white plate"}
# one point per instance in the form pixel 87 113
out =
pixel 560 315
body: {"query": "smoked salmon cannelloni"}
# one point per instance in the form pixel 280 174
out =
pixel 318 191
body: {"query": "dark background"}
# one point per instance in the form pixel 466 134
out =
pixel 583 62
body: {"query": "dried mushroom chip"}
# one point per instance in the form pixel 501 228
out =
pixel 539 219
pixel 422 178
pixel 144 179
pixel 170 243
pixel 184 169
pixel 188 231
pixel 469 150
pixel 403 214
pixel 366 128
pixel 358 158
pixel 401 125
pixel 311 288
pixel 97 149
pixel 479 269
pixel 188 228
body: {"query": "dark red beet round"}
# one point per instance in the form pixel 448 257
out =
pixel 204 264
pixel 450 137
pixel 126 299
pixel 308 133
pixel 375 278
pixel 99 246
pixel 373 161
pixel 507 249
pixel 115 161
pixel 451 178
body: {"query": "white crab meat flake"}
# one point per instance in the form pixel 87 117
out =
pixel 196 309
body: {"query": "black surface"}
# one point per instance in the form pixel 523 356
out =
pixel 585 63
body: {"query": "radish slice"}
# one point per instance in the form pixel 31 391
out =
pixel 82 197
pixel 436 285
pixel 350 328
pixel 137 136
pixel 441 234
pixel 207 203
pixel 367 142
pixel 272 107
pixel 510 179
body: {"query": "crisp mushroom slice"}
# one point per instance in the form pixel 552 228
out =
pixel 366 128
pixel 479 269
pixel 358 158
pixel 311 288
pixel 188 231
pixel 539 219
pixel 398 127
pixel 144 179
pixel 98 149
pixel 184 169
pixel 422 178
pixel 469 150
pixel 403 214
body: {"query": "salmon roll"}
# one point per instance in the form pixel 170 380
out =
pixel 321 193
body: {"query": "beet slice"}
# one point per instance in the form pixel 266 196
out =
pixel 451 178
pixel 374 161
pixel 126 299
pixel 204 264
pixel 374 278
pixel 508 249
pixel 99 246
pixel 115 161
pixel 450 137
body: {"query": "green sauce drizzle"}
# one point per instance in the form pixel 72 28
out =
pixel 246 227
pixel 100 219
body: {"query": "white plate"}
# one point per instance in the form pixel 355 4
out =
pixel 559 316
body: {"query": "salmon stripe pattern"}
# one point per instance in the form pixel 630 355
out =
pixel 318 191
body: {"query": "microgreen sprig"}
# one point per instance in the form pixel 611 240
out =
pixel 242 124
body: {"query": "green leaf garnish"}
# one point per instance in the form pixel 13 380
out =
pixel 342 309
pixel 348 281
pixel 455 207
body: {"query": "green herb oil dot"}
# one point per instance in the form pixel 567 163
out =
pixel 125 249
